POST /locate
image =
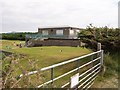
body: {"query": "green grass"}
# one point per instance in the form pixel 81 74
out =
pixel 52 55
pixel 42 57
pixel 9 43
pixel 111 62
pixel 47 55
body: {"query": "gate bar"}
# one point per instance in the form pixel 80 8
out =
pixel 68 72
pixel 89 79
pixel 82 74
pixel 59 64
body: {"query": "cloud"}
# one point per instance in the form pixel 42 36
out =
pixel 28 15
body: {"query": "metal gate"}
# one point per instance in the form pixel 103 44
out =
pixel 86 78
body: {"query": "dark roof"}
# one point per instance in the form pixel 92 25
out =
pixel 63 27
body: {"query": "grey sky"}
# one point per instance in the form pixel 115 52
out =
pixel 28 15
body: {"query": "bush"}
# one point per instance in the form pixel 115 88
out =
pixel 108 37
pixel 15 36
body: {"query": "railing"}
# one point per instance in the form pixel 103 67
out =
pixel 86 78
pixel 40 36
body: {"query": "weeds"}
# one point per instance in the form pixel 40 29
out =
pixel 111 68
pixel 10 67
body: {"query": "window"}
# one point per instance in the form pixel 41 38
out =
pixel 59 32
pixel 71 32
pixel 45 32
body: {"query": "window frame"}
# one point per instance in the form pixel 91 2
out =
pixel 60 32
pixel 44 32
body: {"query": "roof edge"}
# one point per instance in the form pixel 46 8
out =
pixel 60 27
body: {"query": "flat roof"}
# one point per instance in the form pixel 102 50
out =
pixel 62 27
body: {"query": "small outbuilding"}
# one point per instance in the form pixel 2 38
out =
pixel 54 36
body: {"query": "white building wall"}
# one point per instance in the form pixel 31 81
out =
pixel 73 33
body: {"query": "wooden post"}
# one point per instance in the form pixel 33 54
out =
pixel 101 57
pixel 98 49
pixel 99 46
pixel 100 54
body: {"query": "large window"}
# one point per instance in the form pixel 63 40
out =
pixel 59 32
pixel 72 32
pixel 45 32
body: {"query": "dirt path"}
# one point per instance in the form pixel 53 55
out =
pixel 107 83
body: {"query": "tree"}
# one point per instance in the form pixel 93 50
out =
pixel 92 30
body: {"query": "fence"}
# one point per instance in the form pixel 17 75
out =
pixel 86 78
pixel 40 36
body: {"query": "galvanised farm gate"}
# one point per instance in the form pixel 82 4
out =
pixel 84 76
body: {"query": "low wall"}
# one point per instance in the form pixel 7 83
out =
pixel 56 42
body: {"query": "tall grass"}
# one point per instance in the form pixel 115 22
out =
pixel 111 63
pixel 111 66
pixel 10 77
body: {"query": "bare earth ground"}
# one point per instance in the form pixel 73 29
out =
pixel 107 83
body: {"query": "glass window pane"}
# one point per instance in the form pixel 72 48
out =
pixel 59 32
pixel 45 32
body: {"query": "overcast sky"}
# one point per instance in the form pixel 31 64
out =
pixel 28 15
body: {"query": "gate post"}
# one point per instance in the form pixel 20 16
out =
pixel 99 46
pixel 98 49
pixel 52 76
pixel 101 55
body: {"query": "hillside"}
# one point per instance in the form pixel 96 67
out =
pixel 30 59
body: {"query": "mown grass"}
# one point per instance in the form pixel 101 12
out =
pixel 34 58
pixel 4 44
pixel 46 55
pixel 30 59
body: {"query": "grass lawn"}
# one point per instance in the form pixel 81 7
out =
pixel 38 57
pixel 5 43
pixel 46 55
pixel 30 59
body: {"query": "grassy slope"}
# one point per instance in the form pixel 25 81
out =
pixel 43 56
pixel 52 54
pixel 4 43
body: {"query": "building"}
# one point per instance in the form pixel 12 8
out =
pixel 54 36
pixel 119 14
pixel 60 32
